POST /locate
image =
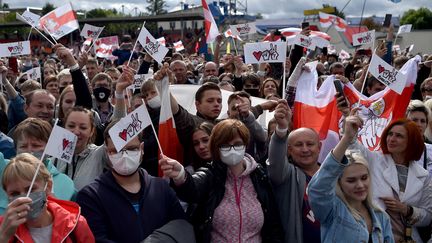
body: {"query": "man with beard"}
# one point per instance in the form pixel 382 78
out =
pixel 126 204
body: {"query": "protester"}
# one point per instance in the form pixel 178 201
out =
pixel 232 184
pixel 126 204
pixel 38 217
pixel 342 190
pixel 200 141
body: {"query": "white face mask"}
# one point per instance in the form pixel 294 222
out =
pixel 232 157
pixel 126 163
pixel 154 102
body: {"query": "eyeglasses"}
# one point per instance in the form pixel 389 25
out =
pixel 228 147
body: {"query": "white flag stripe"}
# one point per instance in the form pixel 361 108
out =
pixel 61 144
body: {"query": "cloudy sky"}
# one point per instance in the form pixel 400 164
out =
pixel 274 9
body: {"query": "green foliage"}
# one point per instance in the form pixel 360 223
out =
pixel 420 18
pixel 48 7
pixel 156 7
pixel 102 13
pixel 337 12
pixel 258 16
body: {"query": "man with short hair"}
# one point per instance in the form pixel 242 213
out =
pixel 40 104
pixel 292 161
pixel 92 68
pixel 101 86
pixel 126 204
pixel 178 67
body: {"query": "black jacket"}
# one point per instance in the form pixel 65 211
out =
pixel 207 188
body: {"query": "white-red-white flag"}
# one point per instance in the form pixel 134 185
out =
pixel 179 46
pixel 91 31
pixel 167 132
pixel 162 41
pixel 210 27
pixel 387 74
pixel 104 46
pixel 326 20
pixel 229 33
pixel 153 47
pixel 59 22
pixel 61 144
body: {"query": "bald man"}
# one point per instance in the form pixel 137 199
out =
pixel 292 161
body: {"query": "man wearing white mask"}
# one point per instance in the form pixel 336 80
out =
pixel 126 204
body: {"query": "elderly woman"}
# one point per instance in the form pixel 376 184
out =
pixel 233 195
pixel 38 217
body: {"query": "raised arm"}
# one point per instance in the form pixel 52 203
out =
pixel 125 80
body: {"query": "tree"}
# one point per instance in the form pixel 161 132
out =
pixel 102 13
pixel 48 7
pixel 258 16
pixel 337 12
pixel 371 24
pixel 156 7
pixel 5 6
pixel 420 18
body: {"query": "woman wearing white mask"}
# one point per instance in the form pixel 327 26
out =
pixel 38 217
pixel 234 196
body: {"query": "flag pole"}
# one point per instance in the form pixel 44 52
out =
pixel 28 38
pixel 235 46
pixel 154 131
pixel 55 41
pixel 38 167
pixel 136 41
pixel 365 77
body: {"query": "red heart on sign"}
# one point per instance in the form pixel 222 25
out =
pixel 239 29
pixel 90 33
pixel 301 39
pixel 65 143
pixel 380 69
pixel 257 55
pixel 147 40
pixel 360 39
pixel 123 134
pixel 10 48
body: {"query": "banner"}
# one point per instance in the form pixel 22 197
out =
pixel 61 144
pixel 34 73
pixel 406 28
pixel 262 52
pixel 151 45
pixel 91 31
pixel 387 74
pixel 15 49
pixel 59 22
pixel 327 20
pixel 243 29
pixel 179 46
pixel 129 127
pixel 363 38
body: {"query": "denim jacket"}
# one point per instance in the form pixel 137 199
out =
pixel 337 222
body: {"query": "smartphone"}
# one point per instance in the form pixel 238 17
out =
pixel 339 89
pixel 387 20
pixel 305 25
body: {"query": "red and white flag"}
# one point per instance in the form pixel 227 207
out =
pixel 153 47
pixel 317 109
pixel 211 29
pixel 61 144
pixel 162 41
pixel 104 46
pixel 167 133
pixel 179 46
pixel 326 20
pixel 229 33
pixel 59 22
pixel 387 74
pixel 91 31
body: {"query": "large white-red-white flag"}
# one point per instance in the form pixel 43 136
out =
pixel 59 22
pixel 317 109
pixel 210 27
pixel 167 133
pixel 327 20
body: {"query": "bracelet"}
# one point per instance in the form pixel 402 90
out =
pixel 181 175
pixel 119 95
pixel 74 67
pixel 281 131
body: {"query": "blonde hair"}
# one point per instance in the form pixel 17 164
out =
pixel 23 167
pixel 355 157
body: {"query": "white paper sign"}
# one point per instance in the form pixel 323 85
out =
pixel 129 127
pixel 387 74
pixel 15 49
pixel 262 52
pixel 34 73
pixel 305 41
pixel 179 46
pixel 152 46
pixel 243 29
pixel 91 31
pixel 404 29
pixel 139 79
pixel 29 18
pixel 363 38
pixel 61 144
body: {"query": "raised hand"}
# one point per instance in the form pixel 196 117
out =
pixel 171 168
pixel 126 79
pixel 352 124
pixel 65 55
pixel 282 116
pixel 15 215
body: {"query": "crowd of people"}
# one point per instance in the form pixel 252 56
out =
pixel 237 180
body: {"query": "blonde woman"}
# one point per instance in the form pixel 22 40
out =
pixel 340 196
